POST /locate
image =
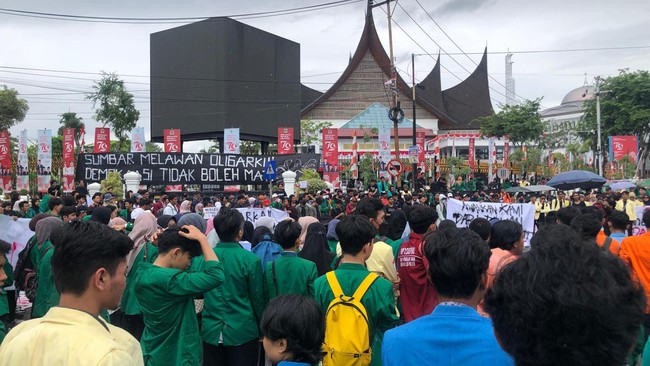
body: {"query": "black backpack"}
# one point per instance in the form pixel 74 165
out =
pixel 25 273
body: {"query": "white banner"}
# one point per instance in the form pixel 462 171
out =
pixel 137 140
pixel 462 213
pixel 17 234
pixel 44 159
pixel 638 228
pixel 231 141
pixel 250 214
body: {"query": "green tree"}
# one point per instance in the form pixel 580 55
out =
pixel 250 147
pixel 212 149
pixel 308 174
pixel 12 108
pixel 625 110
pixel 113 180
pixel 126 146
pixel 309 130
pixel 458 167
pixel 71 120
pixel 519 123
pixel 114 106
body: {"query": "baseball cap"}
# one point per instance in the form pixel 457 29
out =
pixel 108 196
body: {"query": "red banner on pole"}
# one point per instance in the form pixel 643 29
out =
pixel 173 143
pixel 172 139
pixel 505 154
pixel 620 146
pixel 331 156
pixel 419 142
pixel 67 182
pixel 5 161
pixel 472 152
pixel 102 140
pixel 285 140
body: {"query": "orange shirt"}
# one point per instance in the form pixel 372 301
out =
pixel 614 247
pixel 635 250
pixel 498 260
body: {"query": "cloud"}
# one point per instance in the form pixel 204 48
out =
pixel 458 7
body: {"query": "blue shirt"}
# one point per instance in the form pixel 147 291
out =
pixel 618 236
pixel 451 335
pixel 291 363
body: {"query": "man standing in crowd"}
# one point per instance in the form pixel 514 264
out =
pixel 625 204
pixel 417 293
pixel 160 205
pixel 455 333
pixel 560 202
pixel 97 200
pixel 89 265
pixel 171 208
pixel 618 222
pixel 232 311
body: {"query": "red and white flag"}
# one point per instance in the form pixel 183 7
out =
pixel 354 165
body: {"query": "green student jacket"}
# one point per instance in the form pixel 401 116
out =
pixel 46 294
pixel 166 298
pixel 379 301
pixel 233 311
pixel 4 302
pixel 293 275
pixel 129 303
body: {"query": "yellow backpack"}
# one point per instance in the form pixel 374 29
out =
pixel 347 335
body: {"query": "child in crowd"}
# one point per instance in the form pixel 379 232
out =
pixel 293 330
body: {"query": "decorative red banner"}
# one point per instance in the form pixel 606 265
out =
pixel 620 146
pixel 5 161
pixel 331 156
pixel 419 142
pixel 67 182
pixel 506 149
pixel 285 140
pixel 173 141
pixel 472 152
pixel 102 140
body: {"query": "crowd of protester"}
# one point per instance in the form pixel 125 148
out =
pixel 148 280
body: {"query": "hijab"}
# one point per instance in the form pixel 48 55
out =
pixel 396 225
pixel 261 234
pixel 316 249
pixel 116 222
pixel 331 230
pixel 36 219
pixel 249 230
pixel 266 221
pixel 186 206
pixel 102 215
pixel 304 224
pixel 193 219
pixel 143 227
pixel 163 220
pixel 198 208
pixel 44 229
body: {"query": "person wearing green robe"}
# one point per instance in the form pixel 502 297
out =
pixel 6 280
pixel 232 312
pixel 356 234
pixel 166 290
pixel 46 294
pixel 289 274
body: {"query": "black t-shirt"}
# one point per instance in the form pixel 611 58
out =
pixel 53 191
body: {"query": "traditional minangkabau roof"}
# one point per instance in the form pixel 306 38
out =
pixel 455 108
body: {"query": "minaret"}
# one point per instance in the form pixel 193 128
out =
pixel 510 81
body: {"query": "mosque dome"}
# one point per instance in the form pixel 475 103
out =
pixel 580 94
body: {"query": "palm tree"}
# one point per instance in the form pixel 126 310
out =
pixel 70 120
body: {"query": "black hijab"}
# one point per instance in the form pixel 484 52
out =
pixel 249 229
pixel 396 225
pixel 261 234
pixel 102 215
pixel 317 249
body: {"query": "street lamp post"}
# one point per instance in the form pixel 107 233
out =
pixel 598 144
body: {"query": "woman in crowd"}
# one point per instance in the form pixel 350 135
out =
pixel 165 221
pixel 316 248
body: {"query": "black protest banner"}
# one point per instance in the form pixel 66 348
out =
pixel 188 168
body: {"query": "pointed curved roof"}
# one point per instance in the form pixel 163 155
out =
pixel 455 108
pixel 470 99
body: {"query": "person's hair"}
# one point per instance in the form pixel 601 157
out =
pixel 457 262
pixel 286 233
pixel 98 194
pixel 646 218
pixel 228 223
pixel 369 207
pixel 112 208
pixel 34 200
pixel 593 211
pixel 482 227
pixel 6 204
pixel 354 232
pixel 421 218
pixel 619 220
pixel 587 313
pixel 171 239
pixel 552 234
pixel 68 210
pixel 298 320
pixel 504 234
pixel 55 201
pixel 551 218
pixel 22 204
pixel 447 226
pixel 68 200
pixel 5 247
pixel 83 247
pixel 586 226
pixel 566 214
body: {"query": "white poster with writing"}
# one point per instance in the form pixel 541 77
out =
pixel 638 228
pixel 463 212
pixel 384 150
pixel 231 141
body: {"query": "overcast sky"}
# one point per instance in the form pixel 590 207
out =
pixel 327 37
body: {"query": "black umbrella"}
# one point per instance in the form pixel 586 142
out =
pixel 577 179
